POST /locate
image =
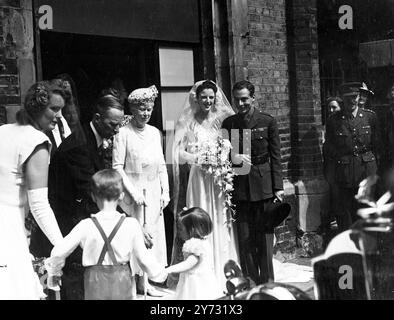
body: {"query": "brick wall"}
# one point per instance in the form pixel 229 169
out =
pixel 281 58
pixel 306 162
pixel 265 55
pixel 265 58
pixel 280 53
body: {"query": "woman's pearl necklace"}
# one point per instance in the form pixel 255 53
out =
pixel 140 131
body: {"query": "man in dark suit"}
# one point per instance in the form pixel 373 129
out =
pixel 258 181
pixel 352 142
pixel 80 155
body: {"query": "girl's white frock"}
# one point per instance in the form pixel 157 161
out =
pixel 199 283
pixel 17 277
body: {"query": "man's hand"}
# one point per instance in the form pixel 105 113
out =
pixel 147 238
pixel 279 195
pixel 238 158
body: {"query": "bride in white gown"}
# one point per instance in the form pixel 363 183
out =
pixel 199 124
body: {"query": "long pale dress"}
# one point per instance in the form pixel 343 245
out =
pixel 203 192
pixel 200 282
pixel 17 277
pixel 138 156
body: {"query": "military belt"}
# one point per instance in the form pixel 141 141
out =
pixel 359 152
pixel 260 159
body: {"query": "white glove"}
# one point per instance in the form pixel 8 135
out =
pixel 43 214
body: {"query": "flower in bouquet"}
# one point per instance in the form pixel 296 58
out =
pixel 213 158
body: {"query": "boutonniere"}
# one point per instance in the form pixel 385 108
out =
pixel 107 143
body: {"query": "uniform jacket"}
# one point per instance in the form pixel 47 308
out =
pixel 265 175
pixel 352 143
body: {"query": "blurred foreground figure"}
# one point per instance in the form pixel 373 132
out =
pixel 240 287
pixel 358 263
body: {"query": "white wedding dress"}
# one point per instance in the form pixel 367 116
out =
pixel 202 191
pixel 196 188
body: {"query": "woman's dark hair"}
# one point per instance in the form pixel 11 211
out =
pixel 208 84
pixel 74 92
pixel 37 100
pixel 244 84
pixel 331 99
pixel 104 103
pixel 71 110
pixel 197 222
pixel 107 184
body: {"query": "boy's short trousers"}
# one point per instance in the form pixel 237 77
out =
pixel 110 282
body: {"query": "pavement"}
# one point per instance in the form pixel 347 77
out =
pixel 296 271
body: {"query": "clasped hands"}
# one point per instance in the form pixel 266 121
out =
pixel 54 265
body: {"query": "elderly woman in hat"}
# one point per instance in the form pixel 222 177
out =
pixel 138 156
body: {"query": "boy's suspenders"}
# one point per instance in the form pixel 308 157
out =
pixel 107 241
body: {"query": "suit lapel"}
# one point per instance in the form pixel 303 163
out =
pixel 53 141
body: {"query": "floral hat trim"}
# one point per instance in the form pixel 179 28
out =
pixel 143 95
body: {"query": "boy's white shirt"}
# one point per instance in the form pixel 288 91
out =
pixel 127 243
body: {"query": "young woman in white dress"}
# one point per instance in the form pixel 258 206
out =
pixel 200 123
pixel 24 161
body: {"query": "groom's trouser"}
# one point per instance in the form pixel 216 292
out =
pixel 255 242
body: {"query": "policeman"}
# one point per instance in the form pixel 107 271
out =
pixel 351 141
pixel 256 187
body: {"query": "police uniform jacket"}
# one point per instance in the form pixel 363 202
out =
pixel 259 137
pixel 352 142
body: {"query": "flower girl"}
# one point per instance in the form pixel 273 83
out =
pixel 197 279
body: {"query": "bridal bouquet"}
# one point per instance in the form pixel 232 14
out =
pixel 212 158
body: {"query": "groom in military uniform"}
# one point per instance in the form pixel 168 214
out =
pixel 258 181
pixel 352 141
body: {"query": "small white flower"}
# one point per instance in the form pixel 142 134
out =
pixel 105 144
